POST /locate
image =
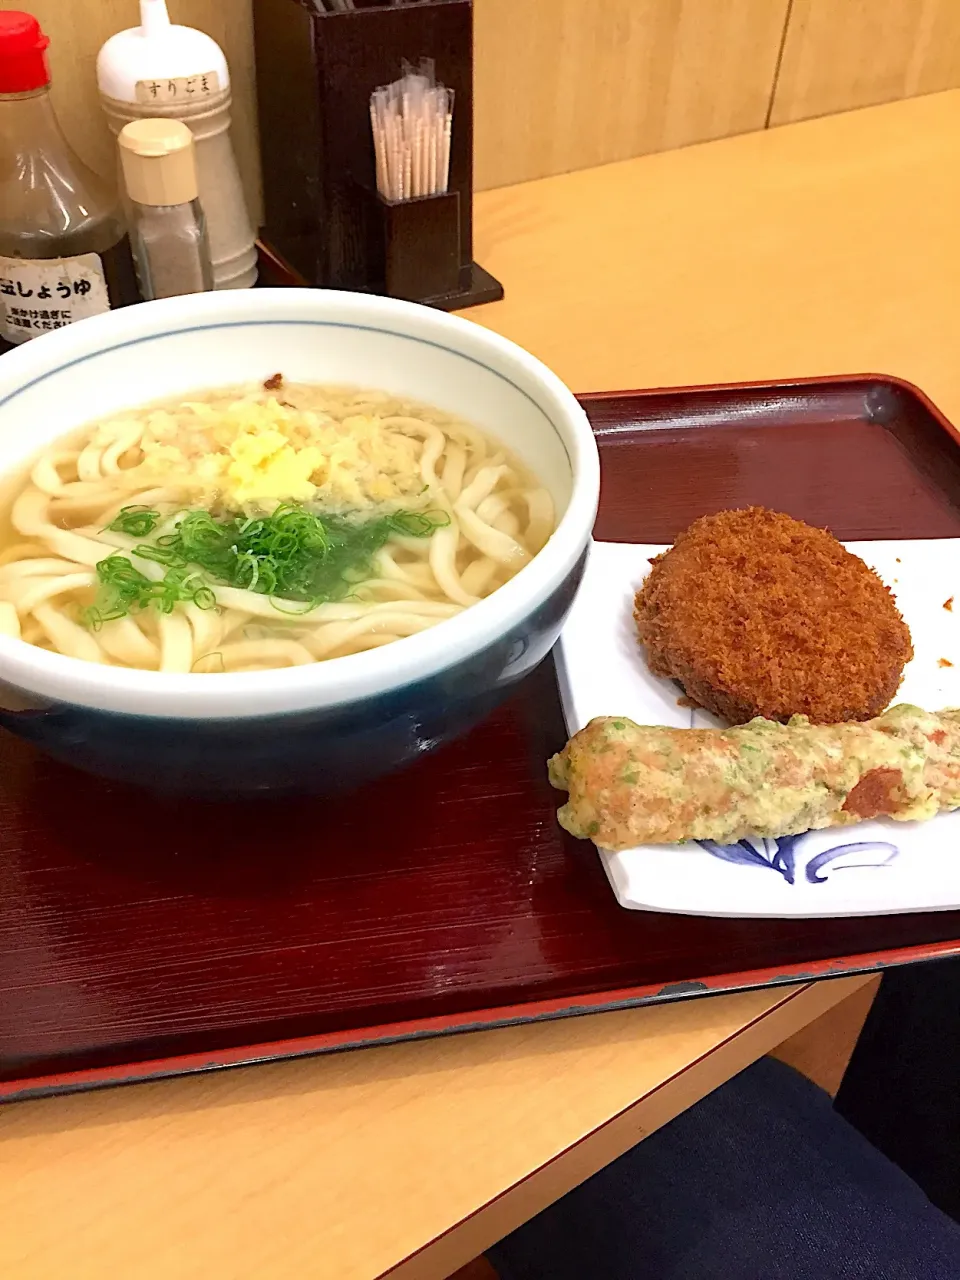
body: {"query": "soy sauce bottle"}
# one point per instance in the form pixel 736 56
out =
pixel 64 252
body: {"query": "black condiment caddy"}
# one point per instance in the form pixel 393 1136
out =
pixel 324 217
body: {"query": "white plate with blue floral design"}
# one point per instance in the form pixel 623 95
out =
pixel 873 868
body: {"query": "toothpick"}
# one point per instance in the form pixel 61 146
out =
pixel 411 121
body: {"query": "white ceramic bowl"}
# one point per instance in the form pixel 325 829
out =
pixel 350 717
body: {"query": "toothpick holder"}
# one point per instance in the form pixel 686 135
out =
pixel 324 218
pixel 418 255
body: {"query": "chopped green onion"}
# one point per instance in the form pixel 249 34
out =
pixel 135 521
pixel 124 589
pixel 292 556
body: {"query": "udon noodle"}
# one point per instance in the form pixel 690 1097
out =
pixel 335 453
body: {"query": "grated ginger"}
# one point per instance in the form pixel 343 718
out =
pixel 256 451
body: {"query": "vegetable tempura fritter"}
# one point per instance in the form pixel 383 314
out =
pixel 631 784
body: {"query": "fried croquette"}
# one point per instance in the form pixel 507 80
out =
pixel 757 614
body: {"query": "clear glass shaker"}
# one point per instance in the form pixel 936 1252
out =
pixel 167 227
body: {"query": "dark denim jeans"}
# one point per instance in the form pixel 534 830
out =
pixel 762 1180
pixel 902 1088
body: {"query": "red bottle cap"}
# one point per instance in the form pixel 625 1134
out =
pixel 22 44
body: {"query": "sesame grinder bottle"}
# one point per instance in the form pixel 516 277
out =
pixel 64 252
pixel 164 70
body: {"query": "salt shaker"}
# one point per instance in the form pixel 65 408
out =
pixel 167 227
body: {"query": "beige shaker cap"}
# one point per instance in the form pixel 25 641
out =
pixel 158 162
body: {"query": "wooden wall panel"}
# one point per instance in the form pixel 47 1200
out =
pixel 566 84
pixel 77 29
pixel 840 54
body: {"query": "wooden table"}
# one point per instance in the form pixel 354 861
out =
pixel 822 247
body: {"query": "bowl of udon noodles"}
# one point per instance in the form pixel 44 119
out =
pixel 279 540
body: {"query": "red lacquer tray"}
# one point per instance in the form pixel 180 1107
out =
pixel 140 938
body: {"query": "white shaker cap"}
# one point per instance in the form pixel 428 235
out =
pixel 156 50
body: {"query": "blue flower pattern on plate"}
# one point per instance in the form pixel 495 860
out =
pixel 781 855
